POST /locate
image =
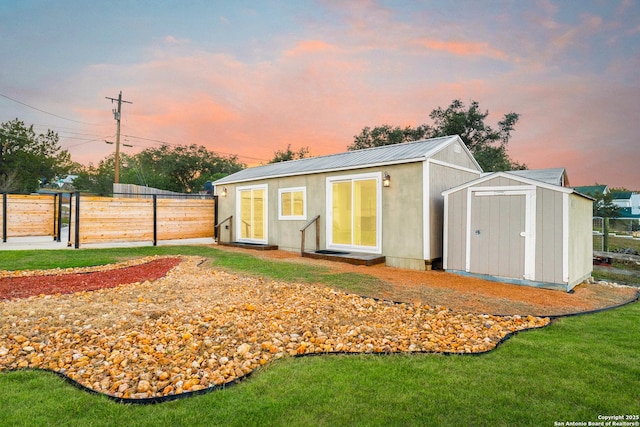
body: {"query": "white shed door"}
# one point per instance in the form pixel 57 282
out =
pixel 500 234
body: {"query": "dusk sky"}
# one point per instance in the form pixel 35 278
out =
pixel 251 77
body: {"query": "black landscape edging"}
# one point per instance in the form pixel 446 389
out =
pixel 146 400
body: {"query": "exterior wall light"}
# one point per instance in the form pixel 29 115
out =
pixel 386 180
pixel 224 192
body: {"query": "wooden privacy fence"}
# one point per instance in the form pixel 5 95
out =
pixel 30 215
pixel 126 219
pixel 108 219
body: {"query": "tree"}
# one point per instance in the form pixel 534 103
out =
pixel 183 169
pixel 97 179
pixel 387 135
pixel 27 158
pixel 288 154
pixel 488 145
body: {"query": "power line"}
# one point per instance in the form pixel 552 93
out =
pixel 85 142
pixel 180 145
pixel 46 112
pixel 26 139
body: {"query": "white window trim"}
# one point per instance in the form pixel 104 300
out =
pixel 238 221
pixel 328 223
pixel 282 217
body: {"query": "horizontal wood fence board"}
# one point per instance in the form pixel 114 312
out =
pixel 111 228
pixel 173 235
pixel 187 220
pixel 116 238
pixel 191 232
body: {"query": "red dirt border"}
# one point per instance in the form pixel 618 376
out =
pixel 66 283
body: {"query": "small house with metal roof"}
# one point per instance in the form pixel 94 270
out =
pixel 381 204
pixel 553 176
pixel 628 201
pixel 593 190
pixel 508 227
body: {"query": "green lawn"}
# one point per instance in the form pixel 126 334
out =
pixel 574 370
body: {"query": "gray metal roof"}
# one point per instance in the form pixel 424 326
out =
pixel 555 176
pixel 389 154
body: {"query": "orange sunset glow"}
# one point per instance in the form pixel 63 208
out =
pixel 250 79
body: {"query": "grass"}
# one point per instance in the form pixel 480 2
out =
pixel 286 271
pixel 616 242
pixel 574 370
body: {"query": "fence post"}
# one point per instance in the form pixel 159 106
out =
pixel 70 215
pixel 55 217
pixel 215 217
pixel 4 217
pixel 77 243
pixel 155 220
pixel 59 216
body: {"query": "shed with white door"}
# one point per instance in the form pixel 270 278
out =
pixel 515 229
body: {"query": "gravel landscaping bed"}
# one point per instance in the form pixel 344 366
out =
pixel 198 327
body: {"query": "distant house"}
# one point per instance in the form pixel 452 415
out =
pixel 628 201
pixel 67 182
pixel 593 190
pixel 383 201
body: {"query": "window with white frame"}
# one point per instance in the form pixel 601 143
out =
pixel 292 203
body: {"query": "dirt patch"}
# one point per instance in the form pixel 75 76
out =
pixel 468 293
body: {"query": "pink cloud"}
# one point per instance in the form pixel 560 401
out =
pixel 573 36
pixel 309 46
pixel 463 48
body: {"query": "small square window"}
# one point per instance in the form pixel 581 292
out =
pixel 292 203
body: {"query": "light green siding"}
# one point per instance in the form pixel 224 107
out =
pixel 454 154
pixel 441 178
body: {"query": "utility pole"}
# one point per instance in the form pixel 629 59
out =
pixel 116 116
